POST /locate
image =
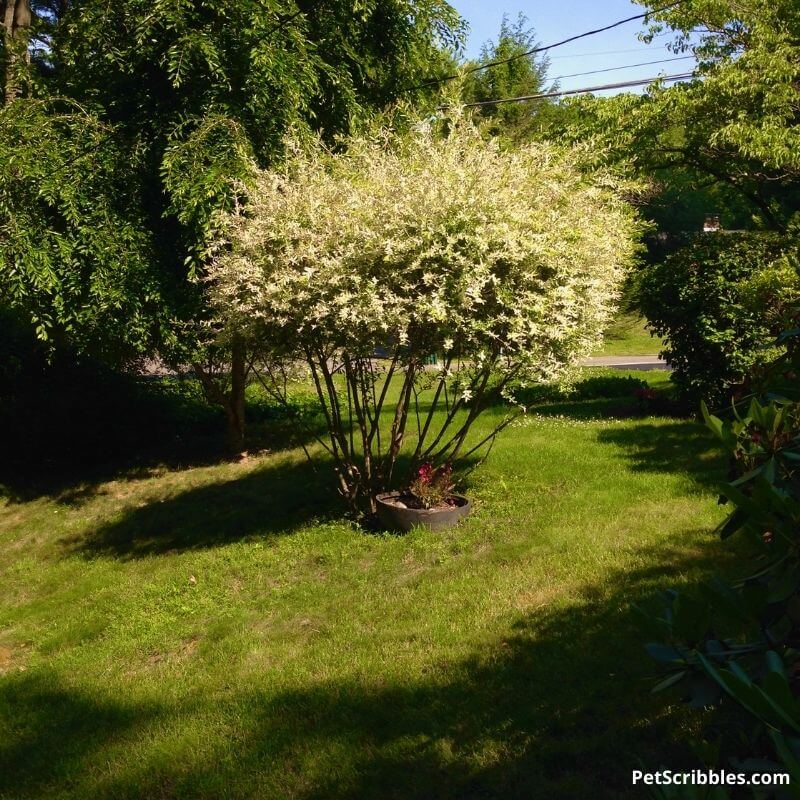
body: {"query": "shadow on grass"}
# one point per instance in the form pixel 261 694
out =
pixel 72 481
pixel 147 425
pixel 270 501
pixel 558 709
pixel 274 500
pixel 65 447
pixel 50 730
pixel 682 447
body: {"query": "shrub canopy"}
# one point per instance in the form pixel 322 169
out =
pixel 719 305
pixel 441 244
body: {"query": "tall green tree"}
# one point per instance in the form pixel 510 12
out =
pixel 749 65
pixel 195 94
pixel 734 128
pixel 76 254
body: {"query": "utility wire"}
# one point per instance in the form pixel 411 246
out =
pixel 284 22
pixel 624 66
pixel 542 49
pixel 608 52
pixel 629 50
pixel 586 90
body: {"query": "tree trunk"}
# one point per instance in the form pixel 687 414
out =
pixel 232 401
pixel 236 405
pixel 17 18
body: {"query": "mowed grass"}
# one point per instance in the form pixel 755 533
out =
pixel 628 336
pixel 221 631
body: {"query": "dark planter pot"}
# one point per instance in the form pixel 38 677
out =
pixel 397 518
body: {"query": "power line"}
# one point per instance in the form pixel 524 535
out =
pixel 284 22
pixel 625 66
pixel 629 50
pixel 586 90
pixel 608 52
pixel 543 49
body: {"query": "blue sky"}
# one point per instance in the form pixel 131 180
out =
pixel 554 20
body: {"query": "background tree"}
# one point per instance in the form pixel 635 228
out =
pixel 194 95
pixel 75 251
pixel 523 76
pixel 748 59
pixel 732 133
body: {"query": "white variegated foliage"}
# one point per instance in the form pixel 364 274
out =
pixel 438 242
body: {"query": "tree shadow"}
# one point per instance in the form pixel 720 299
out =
pixel 273 500
pixel 65 446
pixel 679 447
pixel 560 709
pixel 50 731
pixel 73 477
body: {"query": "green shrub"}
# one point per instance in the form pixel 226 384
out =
pixel 594 384
pixel 718 304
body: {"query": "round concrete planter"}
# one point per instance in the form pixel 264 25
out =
pixel 401 519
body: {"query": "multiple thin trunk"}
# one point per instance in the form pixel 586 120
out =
pixel 368 404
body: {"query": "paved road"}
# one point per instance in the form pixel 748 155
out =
pixel 156 369
pixel 627 362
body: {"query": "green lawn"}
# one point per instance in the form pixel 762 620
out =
pixel 219 632
pixel 628 336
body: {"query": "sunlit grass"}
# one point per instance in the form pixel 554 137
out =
pixel 628 336
pixel 222 631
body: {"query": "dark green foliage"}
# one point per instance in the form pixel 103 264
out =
pixel 269 65
pixel 607 384
pixel 75 252
pixel 596 385
pixel 712 303
pixel 739 644
pixel 63 415
pixel 680 203
pixel 200 89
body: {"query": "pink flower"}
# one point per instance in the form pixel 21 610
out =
pixel 425 472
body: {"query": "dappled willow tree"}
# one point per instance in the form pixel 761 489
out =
pixel 506 265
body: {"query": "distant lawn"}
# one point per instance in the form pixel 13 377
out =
pixel 629 337
pixel 220 632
